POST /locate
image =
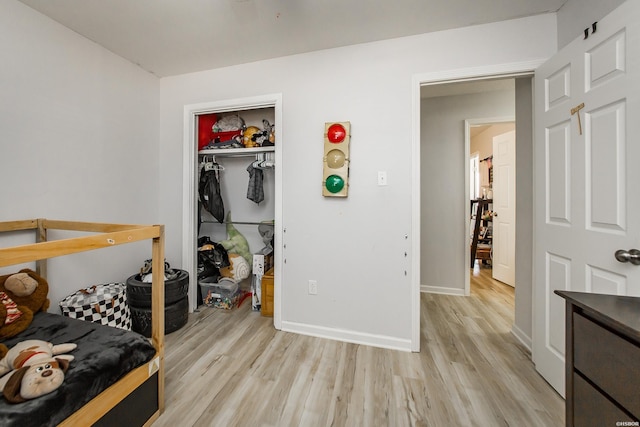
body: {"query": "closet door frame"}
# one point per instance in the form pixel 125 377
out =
pixel 189 190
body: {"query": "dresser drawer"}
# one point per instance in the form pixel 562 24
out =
pixel 591 408
pixel 608 360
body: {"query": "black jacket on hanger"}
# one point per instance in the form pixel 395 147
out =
pixel 209 191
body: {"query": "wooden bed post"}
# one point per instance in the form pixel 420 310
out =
pixel 41 236
pixel 157 308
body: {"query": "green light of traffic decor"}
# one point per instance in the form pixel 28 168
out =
pixel 334 184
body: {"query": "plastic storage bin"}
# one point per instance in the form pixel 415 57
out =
pixel 224 293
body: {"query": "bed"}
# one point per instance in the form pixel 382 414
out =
pixel 131 391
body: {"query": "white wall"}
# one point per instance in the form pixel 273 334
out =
pixel 78 141
pixel 576 15
pixel 354 248
pixel 523 321
pixel 482 143
pixel 445 212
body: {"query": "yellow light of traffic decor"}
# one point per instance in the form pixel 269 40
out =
pixel 336 159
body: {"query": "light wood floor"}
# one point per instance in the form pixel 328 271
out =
pixel 231 368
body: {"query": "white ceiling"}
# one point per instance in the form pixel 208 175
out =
pixel 170 37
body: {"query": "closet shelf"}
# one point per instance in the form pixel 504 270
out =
pixel 237 152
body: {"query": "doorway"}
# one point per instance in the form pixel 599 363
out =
pixel 441 200
pixel 490 149
pixel 446 142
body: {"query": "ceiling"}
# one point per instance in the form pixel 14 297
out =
pixel 477 130
pixel 170 37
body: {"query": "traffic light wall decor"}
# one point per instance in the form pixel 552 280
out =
pixel 336 160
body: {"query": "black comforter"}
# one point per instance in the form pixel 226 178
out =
pixel 104 355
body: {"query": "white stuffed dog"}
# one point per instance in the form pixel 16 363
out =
pixel 33 368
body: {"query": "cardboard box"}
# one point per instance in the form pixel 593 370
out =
pixel 267 293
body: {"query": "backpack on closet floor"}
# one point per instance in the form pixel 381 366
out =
pixel 211 257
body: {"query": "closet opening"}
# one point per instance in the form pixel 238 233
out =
pixel 232 206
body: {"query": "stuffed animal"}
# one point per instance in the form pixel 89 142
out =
pixel 22 295
pixel 270 133
pixel 237 243
pixel 238 270
pixel 33 368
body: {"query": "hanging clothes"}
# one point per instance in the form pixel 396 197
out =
pixel 255 191
pixel 209 191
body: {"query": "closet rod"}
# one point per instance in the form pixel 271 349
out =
pixel 238 222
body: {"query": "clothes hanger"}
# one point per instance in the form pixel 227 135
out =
pixel 259 158
pixel 212 164
pixel 267 162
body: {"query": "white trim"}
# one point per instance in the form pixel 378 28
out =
pixel 467 224
pixel 415 217
pixel 343 335
pixel 522 337
pixel 513 69
pixel 189 202
pixel 443 290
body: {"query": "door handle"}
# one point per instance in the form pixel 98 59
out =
pixel 632 256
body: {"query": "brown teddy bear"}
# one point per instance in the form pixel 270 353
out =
pixel 22 295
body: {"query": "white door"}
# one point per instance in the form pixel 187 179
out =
pixel 587 204
pixel 504 208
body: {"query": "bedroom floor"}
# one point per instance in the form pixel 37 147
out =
pixel 232 368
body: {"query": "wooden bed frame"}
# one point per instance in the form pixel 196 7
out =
pixel 104 235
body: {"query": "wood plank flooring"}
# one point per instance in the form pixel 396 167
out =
pixel 232 368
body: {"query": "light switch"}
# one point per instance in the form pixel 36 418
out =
pixel 382 178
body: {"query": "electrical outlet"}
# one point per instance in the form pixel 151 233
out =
pixel 313 287
pixel 382 178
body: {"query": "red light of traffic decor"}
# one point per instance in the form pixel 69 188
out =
pixel 336 159
pixel 336 133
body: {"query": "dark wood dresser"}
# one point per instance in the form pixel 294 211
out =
pixel 602 359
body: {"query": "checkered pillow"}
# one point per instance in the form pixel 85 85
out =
pixel 105 304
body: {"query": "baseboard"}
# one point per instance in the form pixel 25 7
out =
pixel 441 290
pixel 353 337
pixel 522 337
